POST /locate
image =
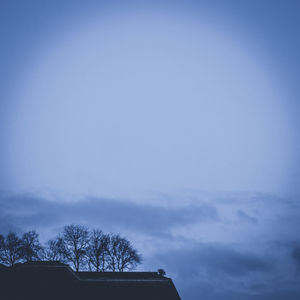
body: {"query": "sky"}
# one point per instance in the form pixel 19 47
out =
pixel 173 123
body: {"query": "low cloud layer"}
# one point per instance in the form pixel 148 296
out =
pixel 234 246
pixel 26 211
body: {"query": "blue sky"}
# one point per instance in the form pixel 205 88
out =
pixel 178 120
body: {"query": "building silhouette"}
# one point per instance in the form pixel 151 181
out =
pixel 57 281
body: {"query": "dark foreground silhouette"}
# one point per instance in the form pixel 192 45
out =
pixel 57 281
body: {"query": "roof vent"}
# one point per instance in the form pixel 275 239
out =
pixel 161 272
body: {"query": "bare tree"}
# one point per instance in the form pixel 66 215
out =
pixel 11 249
pixel 122 256
pixel 97 250
pixel 31 249
pixel 1 246
pixel 54 250
pixel 75 245
pixel 75 241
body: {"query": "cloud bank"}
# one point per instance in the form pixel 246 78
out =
pixel 235 246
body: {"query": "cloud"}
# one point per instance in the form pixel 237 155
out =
pixel 218 271
pixel 215 260
pixel 245 217
pixel 239 246
pixel 24 211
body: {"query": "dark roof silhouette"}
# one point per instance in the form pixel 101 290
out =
pixel 57 281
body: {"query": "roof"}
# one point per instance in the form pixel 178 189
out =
pixel 48 280
pixel 120 276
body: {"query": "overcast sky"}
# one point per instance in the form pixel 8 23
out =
pixel 174 123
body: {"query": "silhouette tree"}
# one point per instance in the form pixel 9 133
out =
pixel 54 250
pixel 97 250
pixel 10 249
pixel 31 249
pixel 1 246
pixel 122 256
pixel 75 243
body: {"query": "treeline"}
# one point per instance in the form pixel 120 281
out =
pixel 77 245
